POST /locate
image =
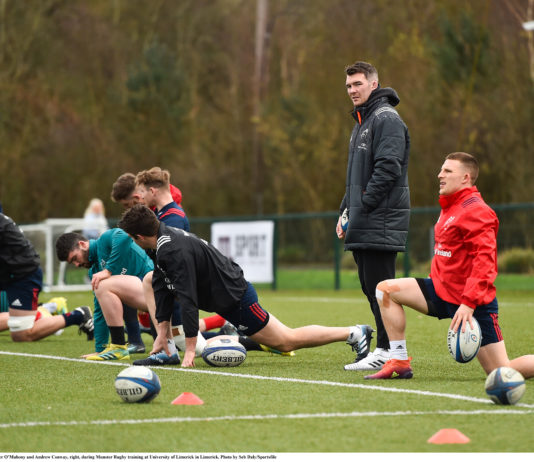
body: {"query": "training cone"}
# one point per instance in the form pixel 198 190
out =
pixel 188 399
pixel 448 436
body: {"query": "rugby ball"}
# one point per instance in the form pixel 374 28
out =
pixel 345 220
pixel 224 352
pixel 464 346
pixel 505 385
pixel 137 384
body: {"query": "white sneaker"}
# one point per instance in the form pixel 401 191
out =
pixel 372 362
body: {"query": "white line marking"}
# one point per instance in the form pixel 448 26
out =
pixel 276 379
pixel 269 416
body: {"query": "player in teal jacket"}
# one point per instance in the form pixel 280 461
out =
pixel 114 252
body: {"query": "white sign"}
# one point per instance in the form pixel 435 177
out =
pixel 249 244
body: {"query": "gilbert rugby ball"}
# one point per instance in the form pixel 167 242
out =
pixel 464 346
pixel 345 220
pixel 505 385
pixel 224 352
pixel 137 384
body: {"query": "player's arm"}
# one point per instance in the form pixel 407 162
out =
pixel 180 270
pixel 480 238
pixel 389 145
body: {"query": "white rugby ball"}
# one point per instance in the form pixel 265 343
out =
pixel 137 384
pixel 464 346
pixel 345 220
pixel 505 385
pixel 224 352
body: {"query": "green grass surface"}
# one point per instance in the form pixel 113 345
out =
pixel 51 401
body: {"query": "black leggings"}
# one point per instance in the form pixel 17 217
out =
pixel 375 266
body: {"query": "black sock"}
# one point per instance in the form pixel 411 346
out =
pixel 117 335
pixel 73 317
pixel 249 344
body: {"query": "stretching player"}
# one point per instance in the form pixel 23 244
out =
pixel 116 268
pixel 462 276
pixel 200 276
pixel 21 278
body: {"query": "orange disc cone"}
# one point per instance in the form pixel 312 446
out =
pixel 448 436
pixel 188 399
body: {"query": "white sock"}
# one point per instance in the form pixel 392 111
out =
pixel 51 307
pixel 355 331
pixel 397 349
pixel 382 351
pixel 171 345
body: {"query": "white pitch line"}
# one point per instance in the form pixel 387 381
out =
pixel 321 415
pixel 276 379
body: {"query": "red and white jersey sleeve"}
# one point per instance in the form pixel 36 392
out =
pixel 464 266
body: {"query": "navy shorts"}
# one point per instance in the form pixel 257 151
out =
pixel 486 315
pixel 23 294
pixel 249 317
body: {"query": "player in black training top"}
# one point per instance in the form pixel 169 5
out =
pixel 198 275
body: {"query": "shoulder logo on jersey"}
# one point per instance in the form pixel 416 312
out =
pixel 471 201
pixel 162 240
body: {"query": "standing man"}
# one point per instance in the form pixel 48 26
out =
pixel 462 275
pixel 21 278
pixel 377 198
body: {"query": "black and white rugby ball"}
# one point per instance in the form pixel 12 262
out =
pixel 345 220
pixel 464 346
pixel 137 384
pixel 224 352
pixel 505 385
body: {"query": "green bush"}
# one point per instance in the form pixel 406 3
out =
pixel 516 261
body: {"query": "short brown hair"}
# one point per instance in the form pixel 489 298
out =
pixel 361 67
pixel 139 220
pixel 123 187
pixel 153 178
pixel 468 161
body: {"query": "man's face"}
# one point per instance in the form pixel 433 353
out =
pixel 79 257
pixel 452 177
pixel 359 88
pixel 131 200
pixel 146 196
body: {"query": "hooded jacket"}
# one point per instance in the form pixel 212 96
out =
pixel 377 195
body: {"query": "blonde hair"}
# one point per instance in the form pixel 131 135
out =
pixel 95 206
pixel 153 178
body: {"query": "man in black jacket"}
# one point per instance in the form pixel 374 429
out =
pixel 21 278
pixel 377 198
pixel 198 275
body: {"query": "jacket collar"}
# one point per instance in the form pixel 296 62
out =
pixel 450 199
pixel 378 96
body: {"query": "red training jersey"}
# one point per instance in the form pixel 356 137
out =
pixel 464 266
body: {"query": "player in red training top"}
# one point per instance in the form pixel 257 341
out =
pixel 461 283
